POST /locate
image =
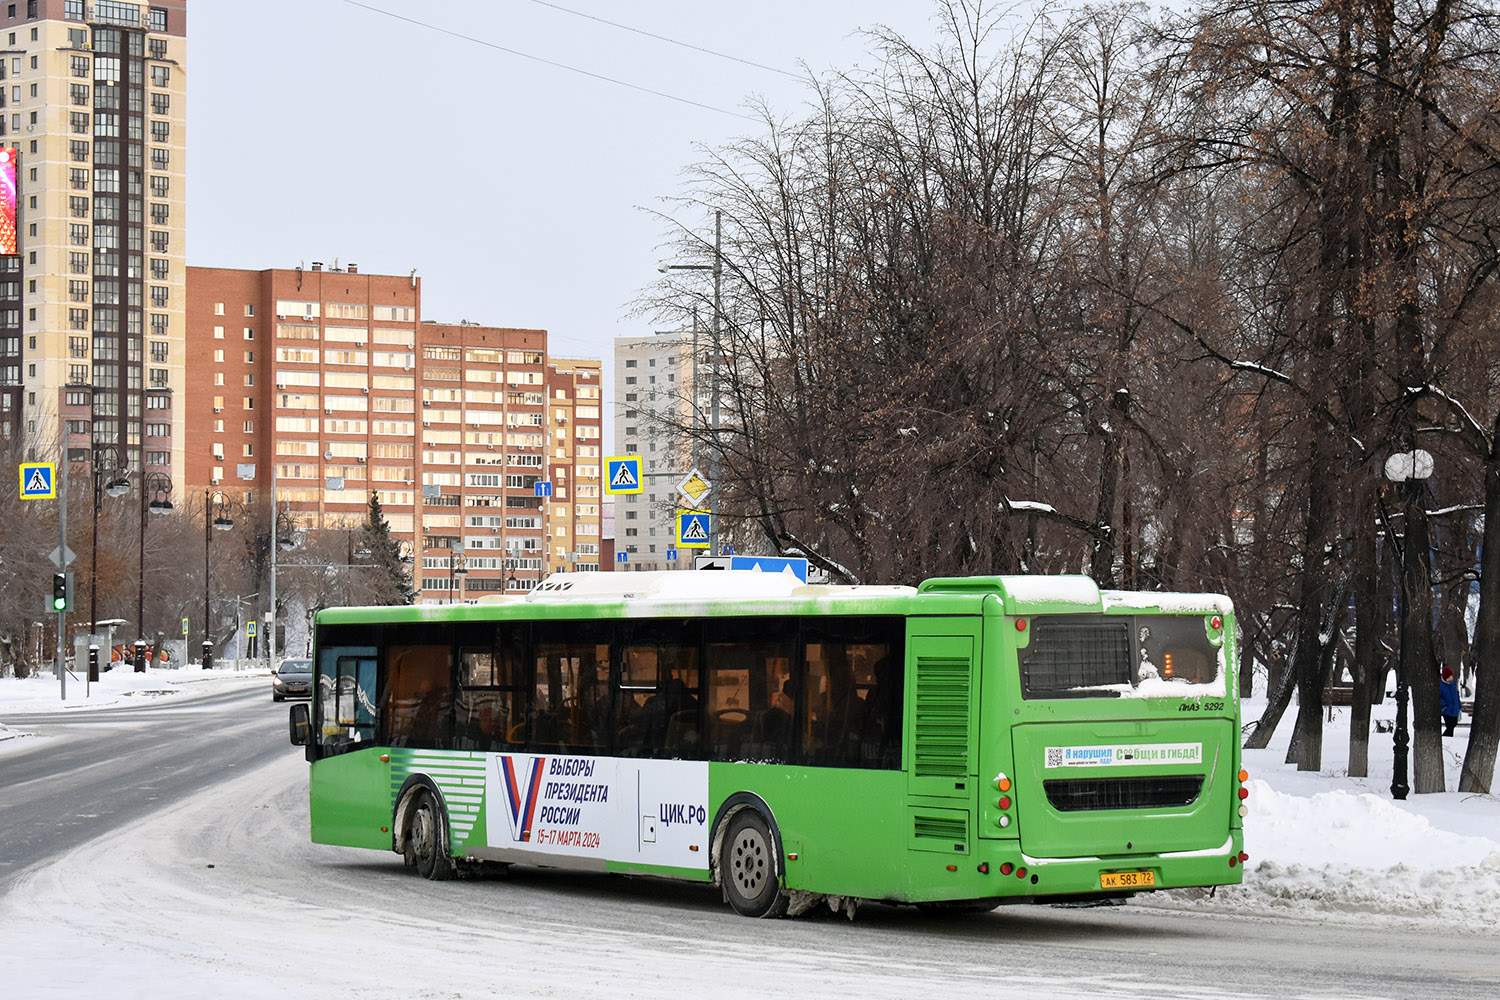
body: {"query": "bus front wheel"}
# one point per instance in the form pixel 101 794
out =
pixel 427 838
pixel 747 867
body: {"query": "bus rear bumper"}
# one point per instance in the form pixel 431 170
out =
pixel 1002 870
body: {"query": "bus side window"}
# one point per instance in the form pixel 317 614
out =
pixel 852 693
pixel 656 697
pixel 750 689
pixel 571 700
pixel 418 706
pixel 487 712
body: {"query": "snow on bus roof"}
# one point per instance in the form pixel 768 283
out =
pixel 695 586
pixel 1167 603
pixel 667 585
pixel 1051 590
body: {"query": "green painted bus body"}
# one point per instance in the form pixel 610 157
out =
pixel 934 830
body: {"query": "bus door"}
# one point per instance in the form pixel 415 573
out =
pixel 1125 742
pixel 941 723
pixel 350 790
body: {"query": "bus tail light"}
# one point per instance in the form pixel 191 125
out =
pixel 1007 868
pixel 1244 856
pixel 1021 872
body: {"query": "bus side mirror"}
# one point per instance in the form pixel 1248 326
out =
pixel 300 725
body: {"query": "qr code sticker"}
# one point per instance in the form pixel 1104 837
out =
pixel 1054 756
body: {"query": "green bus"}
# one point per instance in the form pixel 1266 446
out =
pixel 967 742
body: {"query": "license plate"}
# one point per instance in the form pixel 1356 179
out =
pixel 1126 880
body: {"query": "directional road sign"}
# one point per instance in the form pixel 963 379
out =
pixel 692 529
pixel 622 557
pixel 623 474
pixel 543 488
pixel 38 480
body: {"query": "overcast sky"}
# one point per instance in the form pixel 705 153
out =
pixel 519 191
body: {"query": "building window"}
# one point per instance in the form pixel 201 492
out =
pixel 78 179
pixel 78 319
pixel 158 21
pixel 78 150
pixel 159 352
pixel 157 47
pixel 160 76
pixel 161 131
pixel 158 268
pixel 158 213
pixel 160 185
pixel 159 241
pixel 79 93
pixel 159 296
pixel 160 158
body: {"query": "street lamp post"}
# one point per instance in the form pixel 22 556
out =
pixel 215 518
pixel 156 498
pixel 717 268
pixel 1410 470
pixel 117 486
pixel 455 564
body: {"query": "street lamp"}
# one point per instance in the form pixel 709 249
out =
pixel 215 517
pixel 717 267
pixel 116 486
pixel 510 575
pixel 156 498
pixel 1410 469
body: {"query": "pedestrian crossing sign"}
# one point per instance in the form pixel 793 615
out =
pixel 692 529
pixel 623 474
pixel 38 480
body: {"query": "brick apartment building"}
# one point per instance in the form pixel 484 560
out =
pixel 329 383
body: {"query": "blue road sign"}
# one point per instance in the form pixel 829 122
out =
pixel 771 564
pixel 543 488
pixel 692 529
pixel 622 556
pixel 671 555
pixel 623 474
pixel 727 551
pixel 38 480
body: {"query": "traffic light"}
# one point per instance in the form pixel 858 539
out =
pixel 59 591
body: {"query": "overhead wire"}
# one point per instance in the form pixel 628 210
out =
pixel 664 38
pixel 548 62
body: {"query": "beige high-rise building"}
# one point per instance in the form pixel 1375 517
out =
pixel 92 307
pixel 653 400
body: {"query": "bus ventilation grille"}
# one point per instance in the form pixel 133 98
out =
pixel 941 731
pixel 941 828
pixel 1081 794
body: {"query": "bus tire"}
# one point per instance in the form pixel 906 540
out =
pixel 427 838
pixel 747 867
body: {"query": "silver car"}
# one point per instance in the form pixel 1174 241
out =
pixel 292 679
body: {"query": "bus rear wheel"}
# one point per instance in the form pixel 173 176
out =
pixel 747 867
pixel 427 838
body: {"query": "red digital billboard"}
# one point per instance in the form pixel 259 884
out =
pixel 8 202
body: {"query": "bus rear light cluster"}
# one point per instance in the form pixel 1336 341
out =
pixel 1002 782
pixel 1244 793
pixel 1006 868
pixel 1216 623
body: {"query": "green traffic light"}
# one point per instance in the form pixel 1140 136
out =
pixel 59 604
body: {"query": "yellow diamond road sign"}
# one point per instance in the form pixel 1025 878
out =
pixel 695 487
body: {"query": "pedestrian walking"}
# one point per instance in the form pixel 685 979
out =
pixel 1451 707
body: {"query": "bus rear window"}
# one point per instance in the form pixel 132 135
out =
pixel 1114 656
